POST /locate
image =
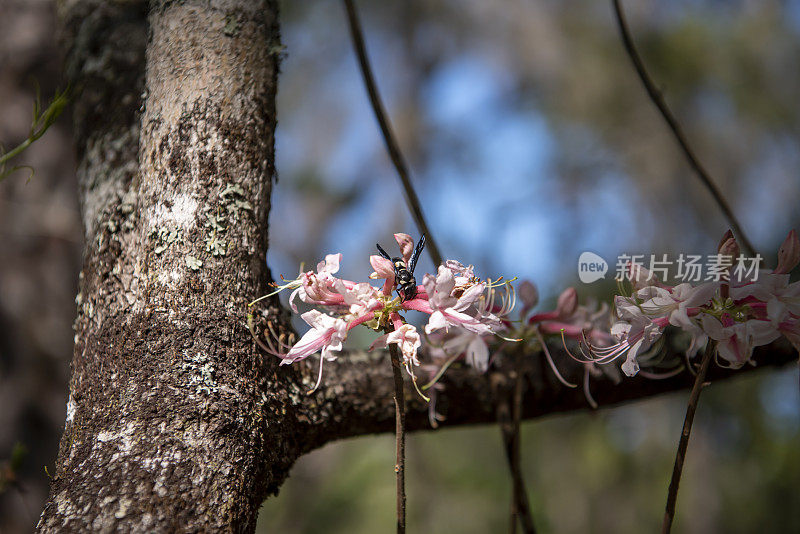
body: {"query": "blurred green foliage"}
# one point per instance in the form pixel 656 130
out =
pixel 41 122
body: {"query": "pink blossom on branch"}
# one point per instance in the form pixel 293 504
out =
pixel 408 341
pixel 737 315
pixel 456 301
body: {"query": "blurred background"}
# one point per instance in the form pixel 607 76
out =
pixel 530 141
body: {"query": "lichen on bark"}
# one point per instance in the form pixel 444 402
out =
pixel 172 407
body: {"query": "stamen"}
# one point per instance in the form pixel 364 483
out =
pixel 586 391
pixel 319 377
pixel 289 285
pixel 600 355
pixel 564 342
pixel 664 375
pixel 551 362
pixel 251 327
pixel 441 371
pixel 276 337
pixel 414 380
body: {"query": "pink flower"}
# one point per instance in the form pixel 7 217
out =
pixel 770 288
pixel 475 349
pixel 567 310
pixel 463 305
pixel 738 316
pixel 462 274
pixel 635 337
pixel 361 298
pixel 735 340
pixel 682 305
pixel 588 321
pixel 464 311
pixel 327 334
pixel 459 342
pixel 384 269
pixel 641 321
pixel 687 300
pixel 318 288
pixel 407 339
pixel 455 300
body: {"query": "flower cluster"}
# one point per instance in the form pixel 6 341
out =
pixel 568 320
pixel 738 316
pixel 573 320
pixel 456 301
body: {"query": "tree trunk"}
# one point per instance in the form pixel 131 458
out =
pixel 175 421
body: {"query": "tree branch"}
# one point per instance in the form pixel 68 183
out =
pixel 392 147
pixel 683 443
pixel 508 391
pixel 677 131
pixel 356 396
pixel 400 436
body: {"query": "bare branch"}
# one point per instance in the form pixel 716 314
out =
pixel 386 129
pixel 400 437
pixel 677 131
pixel 683 443
pixel 508 390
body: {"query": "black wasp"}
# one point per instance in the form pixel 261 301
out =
pixel 404 274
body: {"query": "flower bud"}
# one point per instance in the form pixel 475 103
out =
pixel 730 248
pixel 383 268
pixel 727 235
pixel 530 296
pixel 788 254
pixel 567 302
pixel 406 244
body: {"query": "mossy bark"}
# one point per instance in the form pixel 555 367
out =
pixel 175 421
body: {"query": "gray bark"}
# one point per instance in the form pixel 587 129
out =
pixel 173 415
pixel 176 421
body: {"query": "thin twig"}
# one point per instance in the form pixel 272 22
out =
pixel 677 131
pixel 386 129
pixel 521 494
pixel 680 456
pixel 400 437
pixel 509 415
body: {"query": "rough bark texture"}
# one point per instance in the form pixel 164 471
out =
pixel 175 421
pixel 172 419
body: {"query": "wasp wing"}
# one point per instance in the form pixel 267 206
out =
pixel 415 256
pixel 383 252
